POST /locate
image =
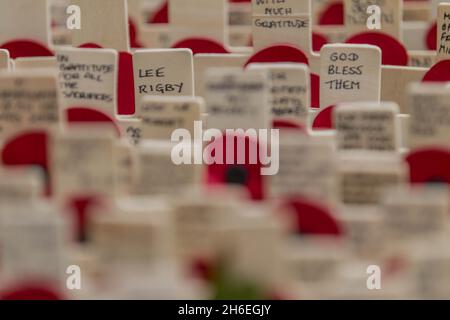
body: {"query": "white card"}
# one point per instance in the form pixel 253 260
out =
pixel 28 100
pixel 443 34
pixel 349 72
pixel 161 116
pixel 163 72
pixel 290 88
pixel 237 99
pixel 88 78
pixel 367 126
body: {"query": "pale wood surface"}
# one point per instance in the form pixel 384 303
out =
pixel 104 22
